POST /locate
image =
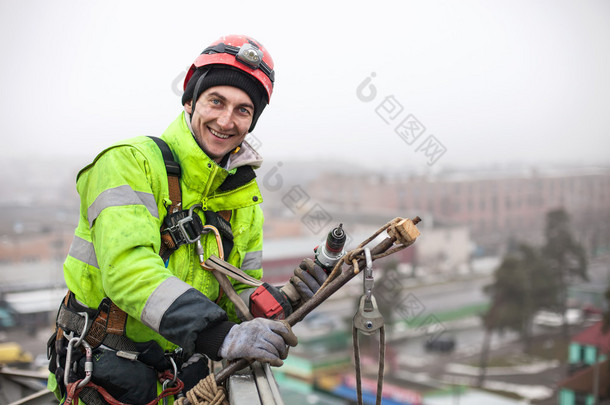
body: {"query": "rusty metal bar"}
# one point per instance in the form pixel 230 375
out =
pixel 298 315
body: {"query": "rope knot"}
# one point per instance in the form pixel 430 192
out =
pixel 353 255
pixel 206 392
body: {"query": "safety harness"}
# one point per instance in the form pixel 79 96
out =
pixel 80 329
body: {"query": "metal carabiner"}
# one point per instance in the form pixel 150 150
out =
pixel 73 343
pixel 170 383
pixel 368 319
pixel 88 365
pixel 175 367
pixel 84 331
pixel 68 359
pixel 369 281
pixel 166 385
pixel 207 229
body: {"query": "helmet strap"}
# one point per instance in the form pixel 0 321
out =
pixel 196 93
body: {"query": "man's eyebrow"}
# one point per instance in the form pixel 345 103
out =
pixel 216 94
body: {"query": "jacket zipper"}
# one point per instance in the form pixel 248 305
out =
pixel 204 197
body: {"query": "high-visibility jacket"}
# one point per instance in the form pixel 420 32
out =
pixel 115 252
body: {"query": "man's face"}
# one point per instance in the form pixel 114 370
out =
pixel 223 115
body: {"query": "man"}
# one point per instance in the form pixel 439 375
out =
pixel 158 307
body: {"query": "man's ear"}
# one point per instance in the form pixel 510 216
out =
pixel 188 106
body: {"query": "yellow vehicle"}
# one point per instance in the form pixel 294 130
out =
pixel 13 353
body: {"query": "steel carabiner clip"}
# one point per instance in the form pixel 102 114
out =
pixel 73 343
pixel 368 320
pixel 170 383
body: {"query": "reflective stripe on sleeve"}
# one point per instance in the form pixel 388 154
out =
pixel 118 196
pixel 83 250
pixel 161 299
pixel 253 260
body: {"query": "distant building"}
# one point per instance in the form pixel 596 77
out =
pixel 494 206
pixel 445 249
pixel 323 349
pixel 34 248
pixel 589 368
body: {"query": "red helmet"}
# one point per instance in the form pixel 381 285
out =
pixel 241 52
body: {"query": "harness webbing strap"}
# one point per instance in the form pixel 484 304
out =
pixel 173 181
pixel 59 327
pixel 226 215
pixel 216 263
pixel 91 397
pixel 108 326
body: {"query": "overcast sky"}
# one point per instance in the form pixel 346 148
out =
pixel 490 81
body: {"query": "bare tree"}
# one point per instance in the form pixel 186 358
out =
pixel 565 260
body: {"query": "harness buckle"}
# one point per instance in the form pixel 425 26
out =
pixel 184 226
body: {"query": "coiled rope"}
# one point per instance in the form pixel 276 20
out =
pixel 206 392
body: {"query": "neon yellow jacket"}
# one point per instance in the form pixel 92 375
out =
pixel 115 252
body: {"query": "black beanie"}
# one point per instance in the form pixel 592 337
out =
pixel 219 75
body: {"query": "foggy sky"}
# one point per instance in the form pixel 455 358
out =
pixel 493 81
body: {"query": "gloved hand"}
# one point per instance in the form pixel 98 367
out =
pixel 307 279
pixel 259 339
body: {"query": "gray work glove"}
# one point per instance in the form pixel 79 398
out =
pixel 260 339
pixel 307 279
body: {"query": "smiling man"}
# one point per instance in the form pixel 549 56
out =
pixel 138 287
